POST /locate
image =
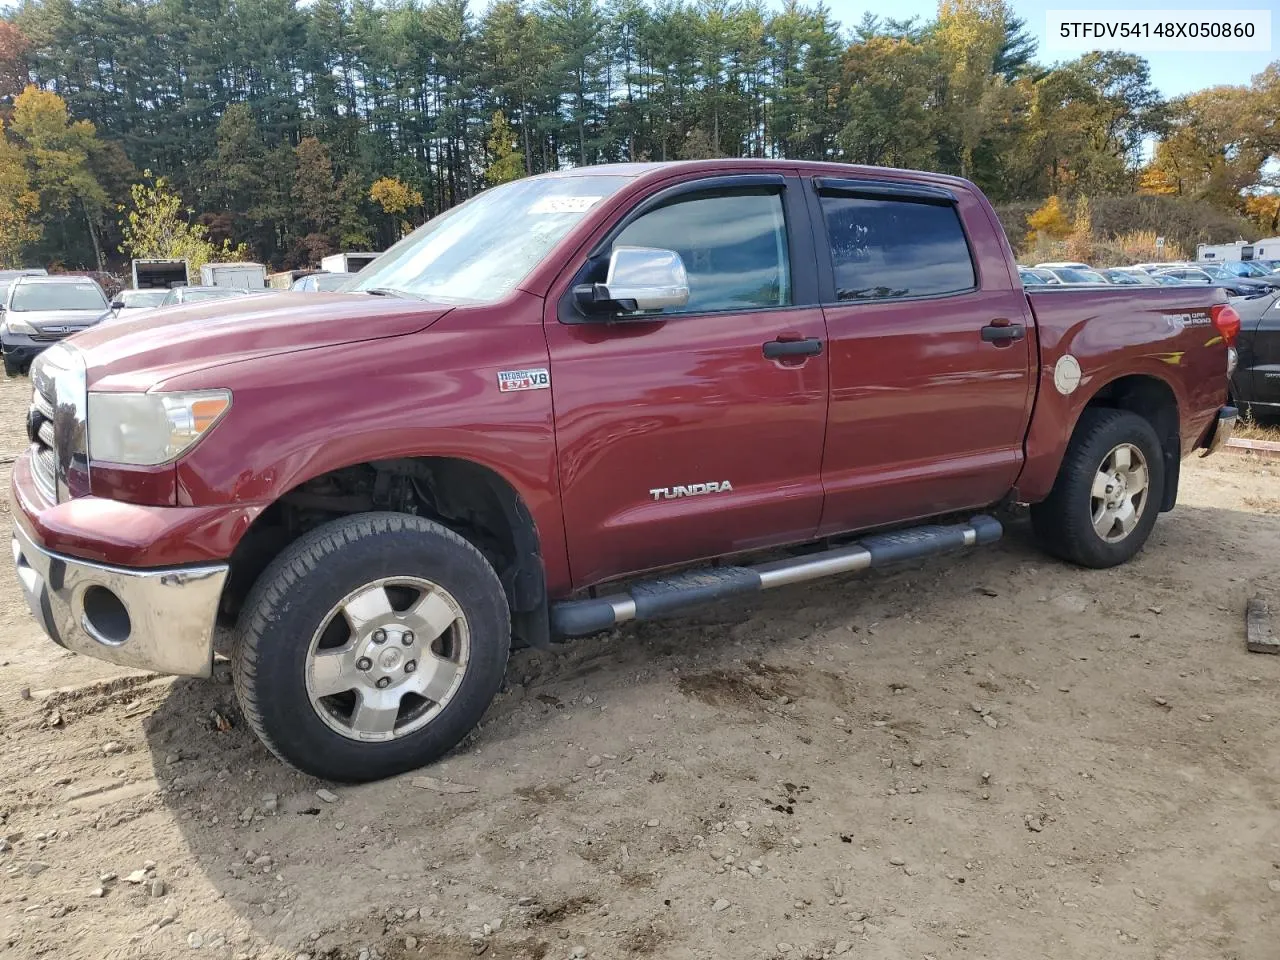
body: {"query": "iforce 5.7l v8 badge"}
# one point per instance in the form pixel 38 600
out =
pixel 509 381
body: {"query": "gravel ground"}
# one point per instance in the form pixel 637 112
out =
pixel 998 756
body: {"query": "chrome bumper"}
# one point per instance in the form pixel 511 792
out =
pixel 1221 431
pixel 158 620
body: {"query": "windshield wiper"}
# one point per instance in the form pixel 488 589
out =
pixel 392 292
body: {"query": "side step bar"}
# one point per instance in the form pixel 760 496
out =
pixel 681 591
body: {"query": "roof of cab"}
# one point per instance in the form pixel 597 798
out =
pixel 746 165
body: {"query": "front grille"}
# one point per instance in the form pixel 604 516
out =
pixel 44 464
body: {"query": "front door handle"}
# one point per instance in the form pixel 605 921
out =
pixel 1002 331
pixel 790 349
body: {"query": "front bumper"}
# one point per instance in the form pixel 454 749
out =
pixel 1220 431
pixel 22 349
pixel 160 620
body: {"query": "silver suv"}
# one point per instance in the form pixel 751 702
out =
pixel 39 311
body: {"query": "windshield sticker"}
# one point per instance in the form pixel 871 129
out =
pixel 564 204
pixel 509 381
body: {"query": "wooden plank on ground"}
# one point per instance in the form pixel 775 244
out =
pixel 1259 637
pixel 1268 449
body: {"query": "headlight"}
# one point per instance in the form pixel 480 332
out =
pixel 19 326
pixel 147 429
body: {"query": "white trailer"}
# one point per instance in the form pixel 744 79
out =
pixel 1267 248
pixel 347 262
pixel 241 276
pixel 1240 250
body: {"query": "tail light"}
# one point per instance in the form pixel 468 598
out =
pixel 1227 321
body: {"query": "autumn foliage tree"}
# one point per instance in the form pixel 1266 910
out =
pixel 508 162
pixel 396 198
pixel 1048 222
pixel 57 152
pixel 13 62
pixel 19 205
pixel 159 226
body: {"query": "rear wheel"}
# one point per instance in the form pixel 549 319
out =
pixel 371 646
pixel 1108 492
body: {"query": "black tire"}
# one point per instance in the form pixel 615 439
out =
pixel 1064 521
pixel 295 593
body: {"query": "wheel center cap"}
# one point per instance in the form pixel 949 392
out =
pixel 389 659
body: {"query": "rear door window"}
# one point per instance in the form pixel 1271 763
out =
pixel 884 249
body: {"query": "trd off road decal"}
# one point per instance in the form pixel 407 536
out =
pixel 538 378
pixel 1190 318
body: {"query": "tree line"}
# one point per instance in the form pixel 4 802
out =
pixel 298 130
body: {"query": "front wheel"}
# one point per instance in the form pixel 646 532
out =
pixel 371 646
pixel 1108 492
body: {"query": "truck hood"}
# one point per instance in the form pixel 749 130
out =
pixel 139 353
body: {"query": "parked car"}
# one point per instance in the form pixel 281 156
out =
pixel 1212 274
pixel 557 390
pixel 1063 265
pixel 193 294
pixel 1076 275
pixel 1127 277
pixel 1031 277
pixel 129 300
pixel 321 282
pixel 41 310
pixel 1255 385
pixel 1250 270
pixel 1154 268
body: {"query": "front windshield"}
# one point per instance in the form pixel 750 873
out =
pixel 29 297
pixel 1250 270
pixel 480 250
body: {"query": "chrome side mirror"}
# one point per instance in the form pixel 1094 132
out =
pixel 640 279
pixel 655 279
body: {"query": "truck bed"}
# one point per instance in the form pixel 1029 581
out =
pixel 1163 334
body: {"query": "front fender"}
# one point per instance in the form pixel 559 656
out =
pixel 433 394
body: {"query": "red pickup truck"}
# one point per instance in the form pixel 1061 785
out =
pixel 687 380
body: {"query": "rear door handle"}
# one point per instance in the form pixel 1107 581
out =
pixel 1002 331
pixel 783 349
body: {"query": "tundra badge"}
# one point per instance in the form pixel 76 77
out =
pixel 690 490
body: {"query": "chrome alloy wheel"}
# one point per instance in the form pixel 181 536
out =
pixel 387 658
pixel 1119 493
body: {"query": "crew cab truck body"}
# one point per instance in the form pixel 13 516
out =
pixel 531 411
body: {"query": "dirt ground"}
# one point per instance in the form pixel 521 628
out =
pixel 991 757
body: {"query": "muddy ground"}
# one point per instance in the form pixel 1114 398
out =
pixel 997 756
